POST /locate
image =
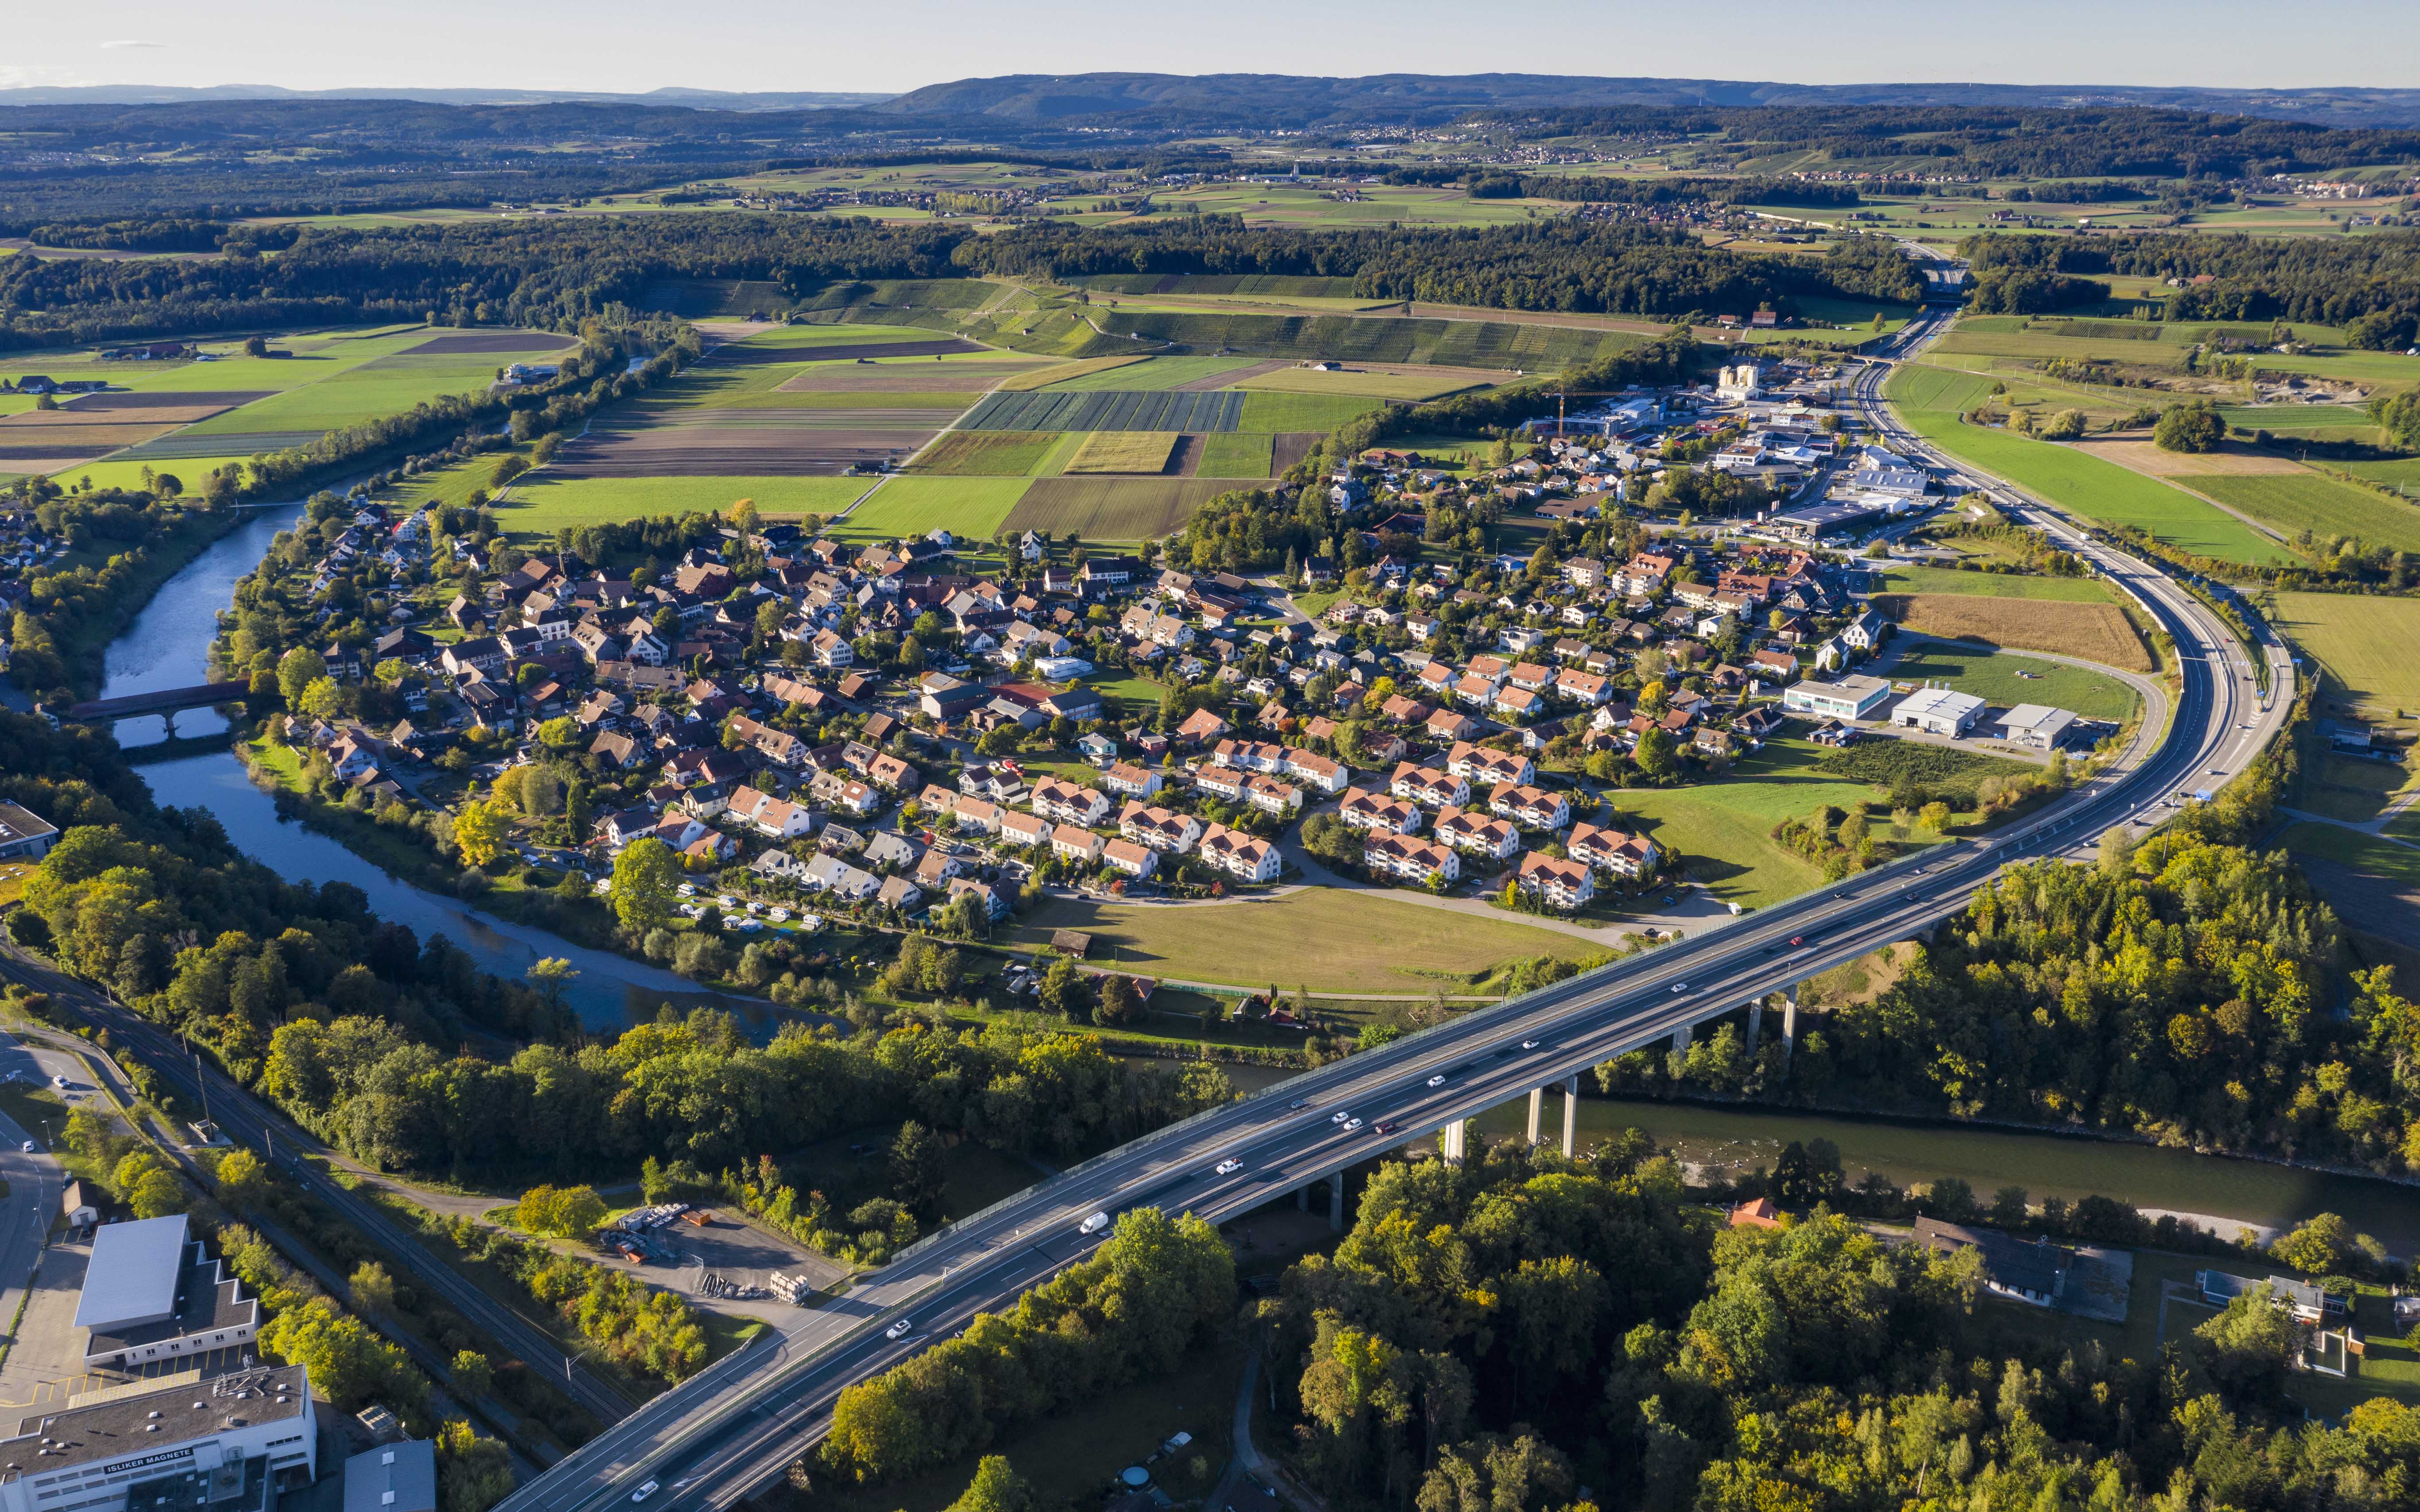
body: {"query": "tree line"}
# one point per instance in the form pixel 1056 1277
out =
pixel 2325 280
pixel 696 1089
pixel 2001 141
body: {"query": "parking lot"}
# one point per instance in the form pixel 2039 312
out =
pixel 729 1253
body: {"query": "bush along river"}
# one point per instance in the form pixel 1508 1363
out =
pixel 168 645
pixel 1721 1143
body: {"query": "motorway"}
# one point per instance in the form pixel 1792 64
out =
pixel 708 1443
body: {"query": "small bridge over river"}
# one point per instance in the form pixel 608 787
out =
pixel 167 702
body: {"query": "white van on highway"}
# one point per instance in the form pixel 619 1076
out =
pixel 1094 1224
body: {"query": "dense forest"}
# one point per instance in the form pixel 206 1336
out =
pixel 1620 268
pixel 553 273
pixel 1996 141
pixel 2325 280
pixel 560 273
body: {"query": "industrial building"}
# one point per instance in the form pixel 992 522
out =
pixel 153 1293
pixel 2037 725
pixel 1938 711
pixel 218 1445
pixel 393 1477
pixel 1849 698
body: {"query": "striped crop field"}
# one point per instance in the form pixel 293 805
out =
pixel 1113 409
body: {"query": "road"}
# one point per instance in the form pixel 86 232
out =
pixel 252 1124
pixel 33 1176
pixel 710 1442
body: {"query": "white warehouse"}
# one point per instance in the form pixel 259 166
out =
pixel 1938 711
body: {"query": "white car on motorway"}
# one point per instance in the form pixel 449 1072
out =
pixel 899 1330
pixel 1230 1165
pixel 643 1493
pixel 1351 1124
pixel 1339 1116
pixel 1437 1080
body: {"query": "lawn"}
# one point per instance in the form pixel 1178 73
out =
pixel 189 469
pixel 540 505
pixel 974 454
pixel 2399 864
pixel 1410 387
pixel 2402 473
pixel 2351 788
pixel 1152 373
pixel 907 506
pixel 2099 489
pixel 1236 455
pixel 1042 378
pixel 1998 585
pixel 1301 412
pixel 1326 940
pixel 848 335
pixel 2003 678
pixel 388 386
pixel 2367 644
pixel 1723 830
pixel 2321 505
pixel 1124 450
pixel 1114 509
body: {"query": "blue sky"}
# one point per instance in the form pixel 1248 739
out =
pixel 899 44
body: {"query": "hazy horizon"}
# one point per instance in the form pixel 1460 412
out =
pixel 622 47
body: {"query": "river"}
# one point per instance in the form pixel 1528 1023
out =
pixel 167 646
pixel 2223 1193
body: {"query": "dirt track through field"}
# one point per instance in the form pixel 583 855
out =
pixel 1185 460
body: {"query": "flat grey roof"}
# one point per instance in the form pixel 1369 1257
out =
pixel 393 1477
pixel 131 1277
pixel 122 1428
